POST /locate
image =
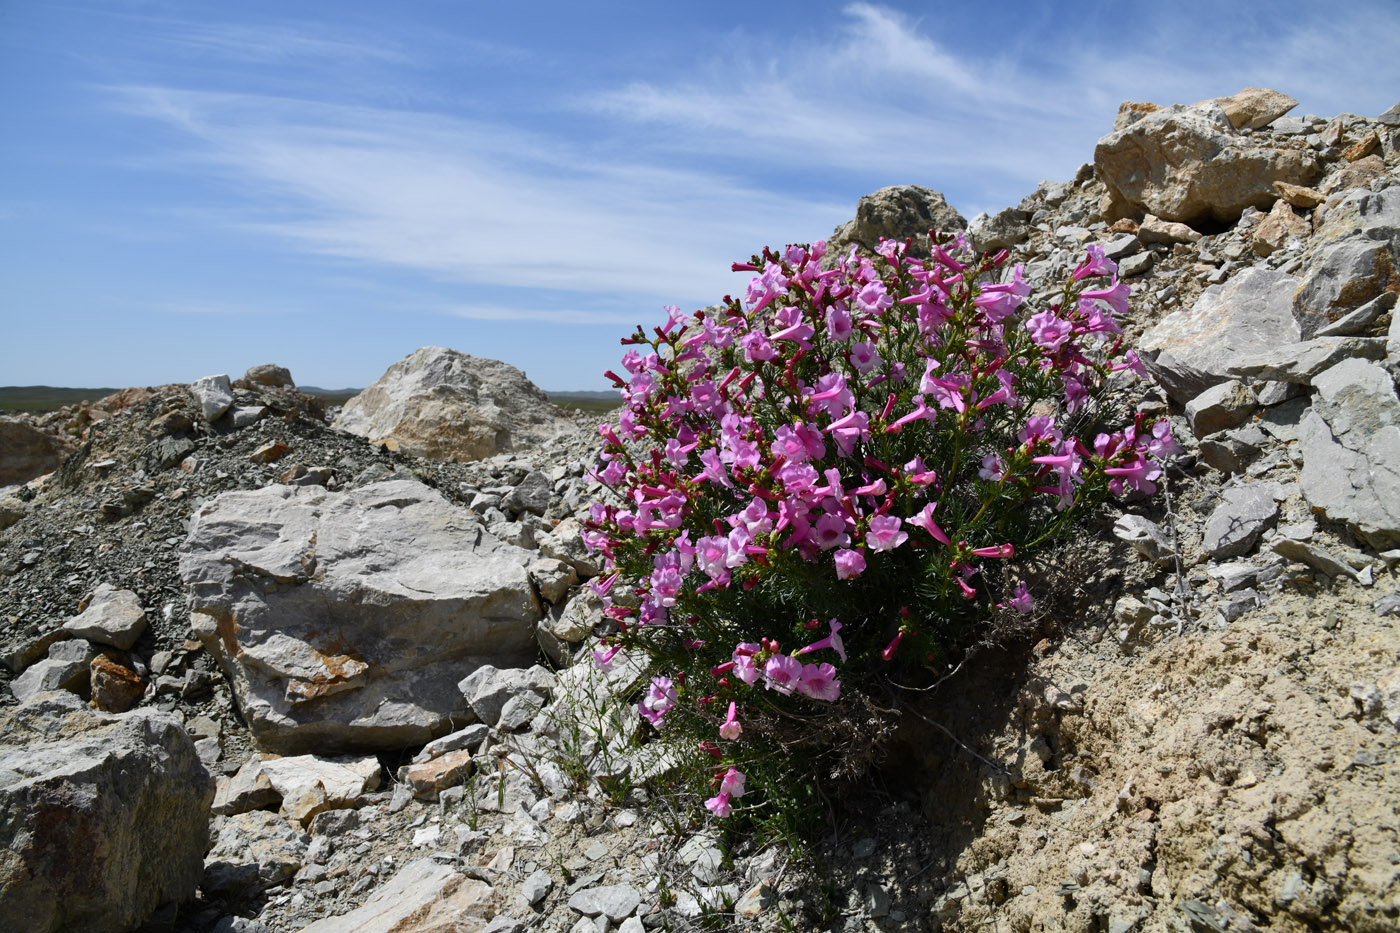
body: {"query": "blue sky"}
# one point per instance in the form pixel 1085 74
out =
pixel 189 188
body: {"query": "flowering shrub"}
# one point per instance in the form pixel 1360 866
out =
pixel 810 483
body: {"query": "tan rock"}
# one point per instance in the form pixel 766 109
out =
pixel 1299 196
pixel 425 897
pixel 116 688
pixel 1131 111
pixel 270 452
pixel 109 616
pixel 1358 174
pixel 444 405
pixel 1124 225
pixel 27 452
pixel 310 784
pixel 1280 224
pixel 1255 107
pixel 1188 164
pixel 1334 134
pixel 1362 147
pixel 1155 230
pixel 426 779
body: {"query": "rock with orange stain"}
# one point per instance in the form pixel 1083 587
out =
pixel 344 620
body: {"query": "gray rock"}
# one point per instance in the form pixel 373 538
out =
pixel 531 495
pixel 553 577
pixel 66 668
pixel 1300 362
pixel 1003 230
pixel 1220 407
pixel 487 689
pixel 1245 513
pixel 896 213
pixel 536 887
pixel 1147 538
pixel 614 901
pixel 248 789
pixel 345 619
pixel 1391 117
pixel 106 816
pixel 254 851
pixel 270 374
pixel 1122 246
pixel 1360 321
pixel 213 395
pixel 1350 442
pixel 468 738
pixel 1191 350
pixel 109 616
pixel 445 405
pixel 424 897
pixel 1312 555
pixel 1135 265
pixel 1352 258
pixel 1233 451
pixel 1187 164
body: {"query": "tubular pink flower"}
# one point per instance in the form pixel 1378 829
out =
pixel 849 564
pixel 819 683
pixel 604 658
pixel 732 784
pixel 781 673
pixel 893 646
pixel 660 698
pixel 719 805
pixel 1000 550
pixel 731 728
pixel 925 521
pixel 884 533
pixel 1096 264
pixel 832 641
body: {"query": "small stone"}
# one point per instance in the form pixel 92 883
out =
pixel 270 452
pixel 109 616
pixel 213 395
pixel 536 887
pixel 1298 195
pixel 614 901
pixel 1244 514
pixel 1362 147
pixel 1154 230
pixel 1135 265
pixel 1219 408
pixel 116 688
pixel 426 779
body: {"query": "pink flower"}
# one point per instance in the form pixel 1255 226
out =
pixel 782 673
pixel 863 357
pixel 925 521
pixel 838 324
pixel 999 301
pixel 604 658
pixel 719 806
pixel 1116 295
pixel 732 784
pixel 1021 599
pixel 831 532
pixel 1096 264
pixel 849 564
pixel 660 697
pixel 1047 330
pixel 731 728
pixel 832 641
pixel 884 533
pixel 819 682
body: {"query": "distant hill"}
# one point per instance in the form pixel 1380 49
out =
pixel 46 398
pixel 597 402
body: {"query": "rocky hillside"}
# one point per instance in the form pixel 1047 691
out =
pixel 264 674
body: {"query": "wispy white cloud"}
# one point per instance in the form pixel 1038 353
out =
pixel 473 202
pixel 274 43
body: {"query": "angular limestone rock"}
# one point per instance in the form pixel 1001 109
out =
pixel 1255 107
pixel 895 213
pixel 344 620
pixel 445 405
pixel 109 617
pixel 106 817
pixel 1350 441
pixel 1191 350
pixel 1188 164
pixel 424 897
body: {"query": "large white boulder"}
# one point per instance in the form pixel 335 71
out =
pixel 444 405
pixel 344 620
